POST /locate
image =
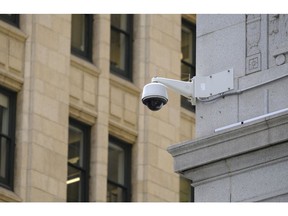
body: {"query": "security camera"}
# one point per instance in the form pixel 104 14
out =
pixel 154 96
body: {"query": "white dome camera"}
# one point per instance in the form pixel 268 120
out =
pixel 154 96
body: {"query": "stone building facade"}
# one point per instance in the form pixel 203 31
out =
pixel 59 98
pixel 241 149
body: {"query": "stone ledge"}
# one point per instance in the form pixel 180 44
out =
pixel 124 133
pixel 82 114
pixel 238 164
pixel 252 137
pixel 11 81
pixel 8 196
pixel 12 31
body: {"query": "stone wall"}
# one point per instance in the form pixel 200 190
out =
pixel 244 161
pixel 52 85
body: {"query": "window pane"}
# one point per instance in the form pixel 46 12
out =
pixel 187 72
pixel 187 45
pixel 4 114
pixel 119 21
pixel 116 164
pixel 78 162
pixel 119 171
pixel 3 157
pixel 188 61
pixel 120 45
pixel 73 185
pixel 186 190
pixel 118 50
pixel 75 146
pixel 78 32
pixel 115 194
pixel 10 18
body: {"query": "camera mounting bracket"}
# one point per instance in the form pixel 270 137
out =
pixel 201 86
pixel 206 86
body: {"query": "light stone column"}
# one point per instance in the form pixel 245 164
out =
pixel 157 42
pixel 99 145
pixel 41 168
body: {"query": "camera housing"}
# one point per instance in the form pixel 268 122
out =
pixel 154 96
pixel 203 88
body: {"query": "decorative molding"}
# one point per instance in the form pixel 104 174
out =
pixel 11 81
pixel 12 58
pixel 8 196
pixel 253 63
pixel 253 29
pixel 83 84
pixel 82 114
pixel 124 102
pixel 124 133
pixel 239 140
pixel 253 36
pixel 278 39
pixel 243 163
pixel 12 31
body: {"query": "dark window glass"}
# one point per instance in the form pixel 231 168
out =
pixel 186 190
pixel 78 162
pixel 121 45
pixel 81 35
pixel 12 19
pixel 188 61
pixel 7 137
pixel 119 171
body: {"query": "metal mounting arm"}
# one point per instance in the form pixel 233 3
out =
pixel 184 88
pixel 201 86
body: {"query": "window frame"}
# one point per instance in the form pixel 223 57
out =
pixel 127 148
pixel 127 72
pixel 192 26
pixel 85 168
pixel 88 37
pixel 8 182
pixel 13 19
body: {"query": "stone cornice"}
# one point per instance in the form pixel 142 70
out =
pixel 242 139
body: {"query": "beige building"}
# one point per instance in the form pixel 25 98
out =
pixel 73 127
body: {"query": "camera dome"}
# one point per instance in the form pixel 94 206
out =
pixel 154 96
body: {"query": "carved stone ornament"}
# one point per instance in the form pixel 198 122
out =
pixel 253 37
pixel 253 34
pixel 278 39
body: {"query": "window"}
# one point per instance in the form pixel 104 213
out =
pixel 12 19
pixel 188 61
pixel 7 137
pixel 78 162
pixel 121 45
pixel 119 171
pixel 186 190
pixel 81 35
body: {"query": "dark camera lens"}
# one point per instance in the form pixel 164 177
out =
pixel 155 104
